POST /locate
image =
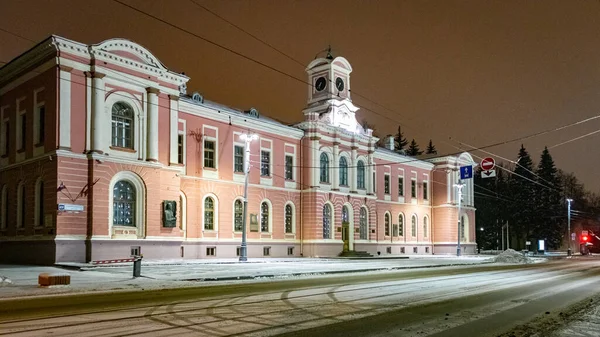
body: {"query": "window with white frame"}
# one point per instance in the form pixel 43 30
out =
pixel 21 200
pixel 289 167
pixel 209 154
pixel 264 217
pixel 209 214
pixel 360 175
pixel 400 186
pixel 40 117
pixel 400 224
pixel 425 190
pixel 363 224
pixel 124 201
pixel 425 226
pixel 327 213
pixel 413 188
pixel 265 163
pixel 122 125
pixel 39 203
pixel 289 216
pixel 387 224
pixel 324 168
pixel 413 227
pixel 180 148
pixel 238 159
pixel 386 183
pixel 22 141
pixel 238 215
pixel 343 171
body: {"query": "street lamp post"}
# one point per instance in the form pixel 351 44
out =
pixel 459 186
pixel 569 227
pixel 247 139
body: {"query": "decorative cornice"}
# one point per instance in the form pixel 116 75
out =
pixel 151 90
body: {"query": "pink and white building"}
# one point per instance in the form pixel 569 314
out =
pixel 103 154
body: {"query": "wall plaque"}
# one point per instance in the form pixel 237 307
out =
pixel 253 223
pixel 169 213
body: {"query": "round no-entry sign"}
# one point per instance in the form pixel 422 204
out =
pixel 488 164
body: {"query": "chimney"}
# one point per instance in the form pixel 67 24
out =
pixel 390 143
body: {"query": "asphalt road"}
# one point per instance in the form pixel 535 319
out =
pixel 484 300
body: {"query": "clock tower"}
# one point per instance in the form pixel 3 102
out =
pixel 329 96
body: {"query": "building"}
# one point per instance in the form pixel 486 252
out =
pixel 105 155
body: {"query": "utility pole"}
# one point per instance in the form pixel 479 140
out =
pixel 459 186
pixel 247 139
pixel 569 227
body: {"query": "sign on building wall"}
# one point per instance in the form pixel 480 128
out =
pixel 169 213
pixel 253 223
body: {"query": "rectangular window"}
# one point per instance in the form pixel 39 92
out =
pixel 426 249
pixel 266 251
pixel 386 186
pixel 135 250
pixel 413 188
pixel 211 251
pixel 388 250
pixel 265 163
pixel 402 250
pixel 41 124
pixel 6 142
pixel 425 191
pixel 290 251
pixel 289 163
pixel 23 138
pixel 400 186
pixel 415 250
pixel 180 149
pixel 209 154
pixel 238 251
pixel 238 159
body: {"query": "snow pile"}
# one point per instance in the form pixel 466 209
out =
pixel 4 281
pixel 512 256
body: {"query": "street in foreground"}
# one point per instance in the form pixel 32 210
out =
pixel 483 300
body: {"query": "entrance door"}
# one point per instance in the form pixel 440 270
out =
pixel 346 236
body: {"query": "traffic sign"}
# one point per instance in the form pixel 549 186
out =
pixel 488 164
pixel 488 174
pixel 466 172
pixel 573 235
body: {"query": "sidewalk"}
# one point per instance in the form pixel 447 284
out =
pixel 161 274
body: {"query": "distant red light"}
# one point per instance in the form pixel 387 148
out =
pixel 585 238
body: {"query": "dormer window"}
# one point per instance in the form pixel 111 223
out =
pixel 122 125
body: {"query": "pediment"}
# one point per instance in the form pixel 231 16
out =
pixel 129 50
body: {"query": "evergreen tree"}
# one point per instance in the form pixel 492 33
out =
pixel 492 205
pixel 522 189
pixel 431 148
pixel 413 149
pixel 400 141
pixel 550 210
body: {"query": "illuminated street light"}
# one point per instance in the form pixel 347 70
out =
pixel 247 139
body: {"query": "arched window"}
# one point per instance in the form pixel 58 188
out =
pixel 387 224
pixel 326 221
pixel 264 217
pixel 238 215
pixel 4 205
pixel 289 214
pixel 39 203
pixel 413 226
pixel 122 125
pixel 363 224
pixel 360 174
pixel 400 224
pixel 343 171
pixel 425 227
pixel 124 204
pixel 209 214
pixel 324 168
pixel 462 227
pixel 345 215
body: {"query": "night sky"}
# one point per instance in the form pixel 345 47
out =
pixel 480 72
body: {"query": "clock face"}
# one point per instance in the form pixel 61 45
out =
pixel 339 84
pixel 320 83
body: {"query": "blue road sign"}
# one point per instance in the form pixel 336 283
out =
pixel 466 172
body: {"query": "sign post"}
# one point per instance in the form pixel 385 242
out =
pixel 466 172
